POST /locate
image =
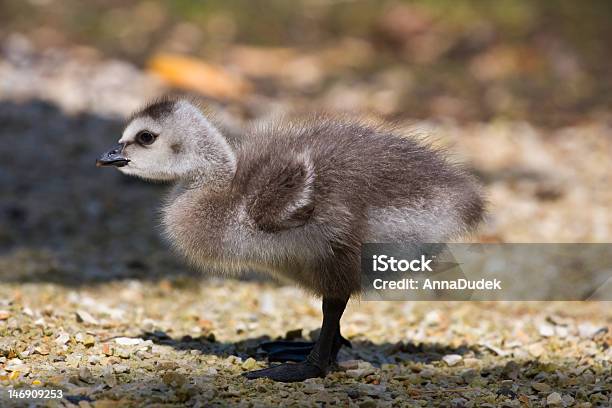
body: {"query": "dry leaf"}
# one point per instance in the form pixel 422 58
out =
pixel 196 75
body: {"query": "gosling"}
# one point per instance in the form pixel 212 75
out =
pixel 295 199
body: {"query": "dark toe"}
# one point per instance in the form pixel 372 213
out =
pixel 274 346
pixel 282 351
pixel 289 355
pixel 287 372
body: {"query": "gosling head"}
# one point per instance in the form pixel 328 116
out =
pixel 171 140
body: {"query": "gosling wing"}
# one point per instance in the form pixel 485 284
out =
pixel 281 193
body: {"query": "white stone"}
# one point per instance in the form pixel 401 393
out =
pixel 121 368
pixel 554 398
pixel 85 317
pixel 349 364
pixel 63 338
pixel 452 359
pixel 128 341
pixel 546 330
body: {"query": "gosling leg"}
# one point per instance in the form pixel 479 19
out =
pixel 318 361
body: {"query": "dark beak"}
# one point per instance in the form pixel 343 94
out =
pixel 114 157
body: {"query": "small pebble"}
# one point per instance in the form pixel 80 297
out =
pixel 121 368
pixel 85 375
pixel 511 370
pixel 562 331
pixel 542 387
pixel 349 364
pixel 167 365
pixel 89 340
pixel 127 341
pixel 73 360
pixel 63 338
pixel 452 359
pixel 370 403
pixel 84 317
pixel 568 400
pixel 536 349
pixel 554 399
pixel 212 371
pixel 249 364
pixel 588 330
pixel 110 379
pixel 371 389
pixel 427 373
pixel 458 402
pixel 546 330
pixel 173 379
pixel 359 372
pixel 311 387
pixel 107 349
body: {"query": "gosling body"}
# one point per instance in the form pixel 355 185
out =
pixel 295 199
pixel 305 195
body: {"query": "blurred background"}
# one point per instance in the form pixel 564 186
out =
pixel 544 62
pixel 520 90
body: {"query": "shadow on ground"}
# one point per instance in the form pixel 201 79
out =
pixel 385 353
pixel 62 220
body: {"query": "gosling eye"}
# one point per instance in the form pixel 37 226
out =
pixel 145 138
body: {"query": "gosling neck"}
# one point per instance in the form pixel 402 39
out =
pixel 215 167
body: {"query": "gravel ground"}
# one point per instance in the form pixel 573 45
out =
pixel 92 302
pixel 182 341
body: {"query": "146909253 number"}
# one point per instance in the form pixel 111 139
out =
pixel 35 394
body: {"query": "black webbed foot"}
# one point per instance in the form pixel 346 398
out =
pixel 288 372
pixel 296 351
pixel 318 357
